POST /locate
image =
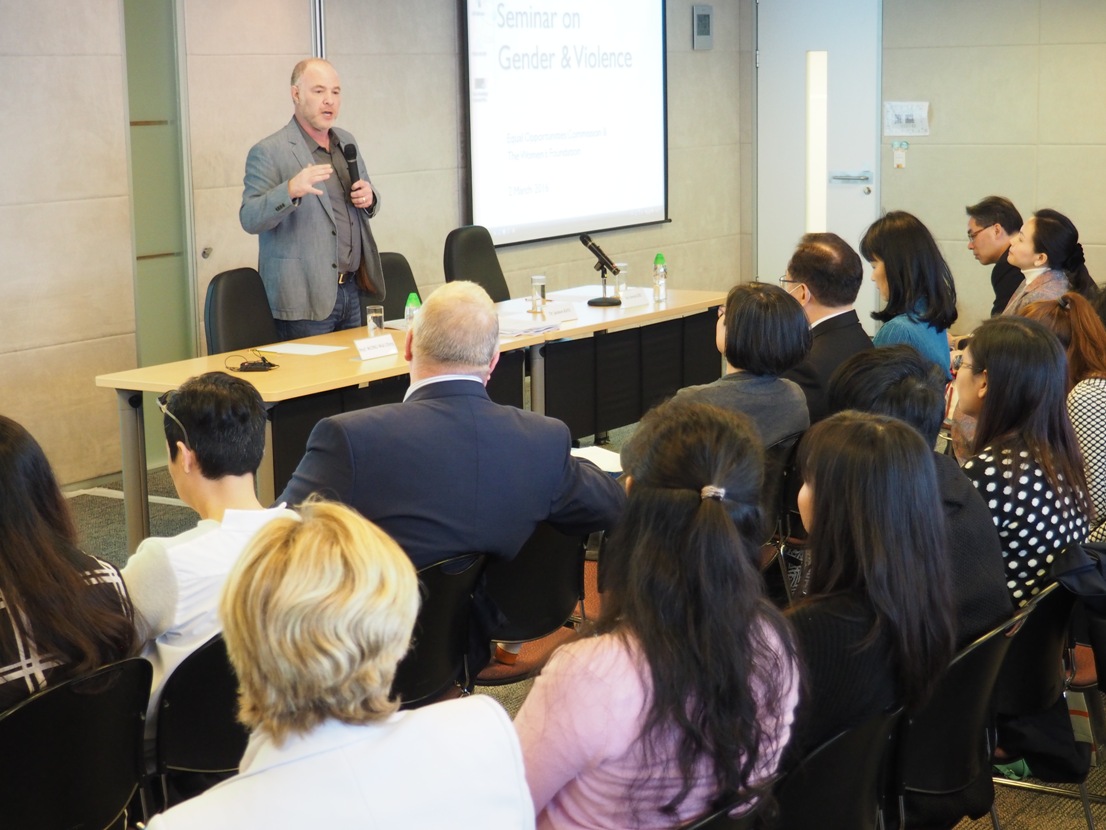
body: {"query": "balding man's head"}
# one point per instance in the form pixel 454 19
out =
pixel 456 331
pixel 829 268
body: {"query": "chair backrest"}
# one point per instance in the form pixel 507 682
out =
pixel 437 658
pixel 539 589
pixel 400 282
pixel 838 786
pixel 197 723
pixel 781 486
pixel 1032 675
pixel 73 752
pixel 942 747
pixel 237 314
pixel 470 255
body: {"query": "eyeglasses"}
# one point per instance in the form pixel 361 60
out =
pixel 973 234
pixel 163 405
pixel 958 364
pixel 784 281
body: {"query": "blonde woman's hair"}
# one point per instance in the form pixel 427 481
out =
pixel 317 613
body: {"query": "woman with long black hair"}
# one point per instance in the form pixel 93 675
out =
pixel 1048 252
pixel 875 628
pixel 62 612
pixel 1014 380
pixel 681 700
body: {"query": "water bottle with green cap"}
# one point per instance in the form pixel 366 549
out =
pixel 413 305
pixel 660 279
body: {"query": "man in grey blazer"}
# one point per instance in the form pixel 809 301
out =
pixel 311 209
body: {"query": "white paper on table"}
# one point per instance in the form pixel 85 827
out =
pixel 605 460
pixel 512 325
pixel 300 348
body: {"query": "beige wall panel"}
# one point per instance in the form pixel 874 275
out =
pixel 247 29
pixel 703 98
pixel 217 228
pixel 912 24
pixel 1096 261
pixel 1072 180
pixel 60 27
pixel 1073 109
pixel 224 125
pixel 354 27
pixel 938 182
pixel 68 110
pixel 748 272
pixel 709 195
pixel 58 401
pixel 402 122
pixel 1072 21
pixel 68 273
pixel 955 82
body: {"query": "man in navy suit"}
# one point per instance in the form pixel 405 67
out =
pixel 311 210
pixel 824 275
pixel 448 471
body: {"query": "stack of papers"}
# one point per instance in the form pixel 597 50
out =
pixel 516 325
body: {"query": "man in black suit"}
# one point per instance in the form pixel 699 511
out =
pixel 991 223
pixel 448 471
pixel 824 275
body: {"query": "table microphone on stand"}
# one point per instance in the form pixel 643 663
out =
pixel 603 265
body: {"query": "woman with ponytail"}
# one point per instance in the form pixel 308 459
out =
pixel 681 700
pixel 875 629
pixel 1048 252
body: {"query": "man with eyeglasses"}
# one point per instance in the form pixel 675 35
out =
pixel 991 224
pixel 824 275
pixel 215 431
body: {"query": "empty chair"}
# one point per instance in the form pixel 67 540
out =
pixel 197 726
pixel 538 592
pixel 470 255
pixel 438 659
pixel 73 752
pixel 401 284
pixel 237 314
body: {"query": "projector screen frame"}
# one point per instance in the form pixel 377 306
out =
pixel 466 139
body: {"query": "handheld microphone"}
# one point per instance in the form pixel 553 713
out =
pixel 350 152
pixel 604 260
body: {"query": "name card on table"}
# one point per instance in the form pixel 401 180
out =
pixel 559 311
pixel 635 297
pixel 373 347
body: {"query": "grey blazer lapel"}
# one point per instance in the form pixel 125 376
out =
pixel 303 156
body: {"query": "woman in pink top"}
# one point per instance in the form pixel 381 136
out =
pixel 682 699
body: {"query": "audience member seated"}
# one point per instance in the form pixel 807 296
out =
pixel 682 699
pixel 915 282
pixel 449 471
pixel 63 613
pixel 897 381
pixel 1048 252
pixel 992 224
pixel 824 275
pixel 215 430
pixel 317 613
pixel 1074 321
pixel 875 629
pixel 762 333
pixel 1013 379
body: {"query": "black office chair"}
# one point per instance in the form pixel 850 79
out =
pixel 470 255
pixel 73 753
pixel 197 719
pixel 437 664
pixel 400 282
pixel 945 747
pixel 1033 677
pixel 778 497
pixel 538 592
pixel 237 314
pixel 837 786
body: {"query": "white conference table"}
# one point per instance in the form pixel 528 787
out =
pixel 304 375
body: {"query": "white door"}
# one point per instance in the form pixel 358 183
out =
pixel 818 142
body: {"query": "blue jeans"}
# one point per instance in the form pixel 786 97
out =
pixel 346 315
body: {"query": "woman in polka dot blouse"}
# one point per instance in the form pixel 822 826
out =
pixel 1027 464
